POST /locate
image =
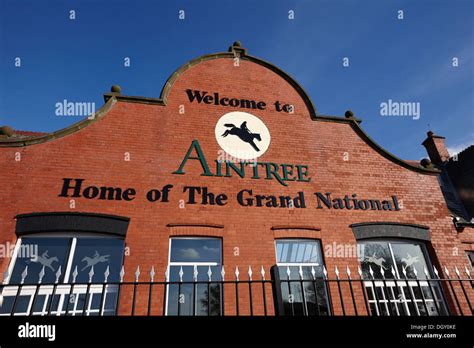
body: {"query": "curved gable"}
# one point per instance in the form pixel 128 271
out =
pixel 234 52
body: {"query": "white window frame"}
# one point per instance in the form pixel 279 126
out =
pixel 306 264
pixel 62 289
pixel 302 264
pixel 197 264
pixel 401 283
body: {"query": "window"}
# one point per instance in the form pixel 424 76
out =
pixel 412 297
pixel 309 296
pixel 65 260
pixel 192 259
pixel 470 256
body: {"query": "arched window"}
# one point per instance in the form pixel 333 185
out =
pixel 397 270
pixel 55 250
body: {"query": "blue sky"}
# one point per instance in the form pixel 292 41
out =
pixel 407 60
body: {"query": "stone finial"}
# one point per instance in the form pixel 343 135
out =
pixel 425 162
pixel 349 114
pixel 116 89
pixel 237 48
pixel 6 130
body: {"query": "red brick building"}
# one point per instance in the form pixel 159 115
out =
pixel 232 166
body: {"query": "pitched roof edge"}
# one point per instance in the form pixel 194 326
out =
pixel 62 132
pixel 388 155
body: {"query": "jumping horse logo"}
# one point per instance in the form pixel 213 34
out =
pixel 410 260
pixel 45 260
pixel 92 261
pixel 377 261
pixel 243 133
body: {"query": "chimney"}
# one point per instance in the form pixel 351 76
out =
pixel 436 148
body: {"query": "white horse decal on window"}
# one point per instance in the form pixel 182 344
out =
pixel 92 261
pixel 45 260
pixel 410 260
pixel 378 261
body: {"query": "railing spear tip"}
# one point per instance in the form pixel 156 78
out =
pixel 467 271
pixel 446 271
pixel 456 270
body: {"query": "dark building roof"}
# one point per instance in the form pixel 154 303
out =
pixel 457 177
pixel 460 170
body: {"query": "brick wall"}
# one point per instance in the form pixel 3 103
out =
pixel 157 138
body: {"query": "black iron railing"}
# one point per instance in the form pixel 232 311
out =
pixel 311 293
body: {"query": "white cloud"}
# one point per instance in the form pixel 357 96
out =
pixel 455 149
pixel 190 253
pixel 214 250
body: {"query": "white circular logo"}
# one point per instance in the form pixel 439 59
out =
pixel 242 135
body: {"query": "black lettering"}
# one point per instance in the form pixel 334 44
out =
pixel 245 202
pixel 234 102
pixel 128 194
pixel 67 186
pixel 166 191
pixel 90 192
pixel 277 106
pixel 153 195
pixel 395 203
pixel 195 95
pixel 337 203
pixel 207 198
pixel 347 202
pixel 207 99
pixel 375 204
pixel 192 196
pixel 326 200
pixel 271 201
pixel 249 104
pixel 363 204
pixel 299 202
pixel 111 193
pixel 259 200
pixel 221 199
pixel 354 199
pixel 285 201
pixel 224 102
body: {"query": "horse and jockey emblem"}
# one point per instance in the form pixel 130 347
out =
pixel 242 135
pixel 95 259
pixel 45 260
pixel 410 260
pixel 377 261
